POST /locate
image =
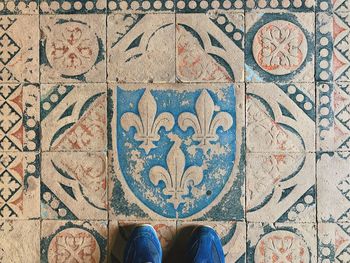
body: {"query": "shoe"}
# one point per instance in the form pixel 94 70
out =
pixel 143 246
pixel 205 246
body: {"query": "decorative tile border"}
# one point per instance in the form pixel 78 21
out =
pixel 14 7
pixel 141 6
pixel 72 6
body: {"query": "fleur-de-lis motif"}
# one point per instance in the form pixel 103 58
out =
pixel 147 124
pixel 204 124
pixel 176 178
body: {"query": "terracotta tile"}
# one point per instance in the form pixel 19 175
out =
pixel 141 6
pixel 19 117
pixel 19 185
pixel 73 186
pixel 292 32
pixel 19 57
pixel 280 117
pixel 90 241
pixel 281 187
pixel 135 42
pixel 142 174
pixel 72 7
pixel 282 242
pixel 333 187
pixel 210 47
pixel 74 117
pixel 119 233
pixel 20 241
pixel 232 235
pixel 72 48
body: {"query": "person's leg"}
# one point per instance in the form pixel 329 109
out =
pixel 143 246
pixel 205 246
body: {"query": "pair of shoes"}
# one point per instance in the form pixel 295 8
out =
pixel 144 246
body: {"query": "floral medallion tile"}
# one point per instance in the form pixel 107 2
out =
pixel 334 242
pixel 281 187
pixel 73 186
pixel 72 7
pixel 19 185
pixel 279 47
pixel 74 117
pixel 280 5
pixel 333 115
pixel 135 42
pixel 170 159
pixel 72 48
pixel 210 47
pixel 19 52
pixel 203 6
pixel 281 243
pixel 13 7
pixel 20 241
pixel 333 187
pixel 73 241
pixel 232 235
pixel 280 117
pixel 119 233
pixel 19 117
pixel 141 6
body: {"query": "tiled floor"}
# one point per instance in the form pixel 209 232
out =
pixel 230 113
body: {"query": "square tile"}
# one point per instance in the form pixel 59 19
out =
pixel 281 242
pixel 135 42
pixel 73 241
pixel 281 187
pixel 74 117
pixel 20 241
pixel 9 7
pixel 19 117
pixel 333 187
pixel 333 242
pixel 19 52
pixel 280 117
pixel 232 235
pixel 119 233
pixel 73 186
pixel 210 47
pixel 72 7
pixel 200 6
pixel 279 47
pixel 141 6
pixel 333 115
pixel 72 48
pixel 19 185
pixel 170 159
pixel 280 5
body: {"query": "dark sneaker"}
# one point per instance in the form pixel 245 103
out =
pixel 205 246
pixel 143 246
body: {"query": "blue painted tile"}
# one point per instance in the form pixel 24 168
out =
pixel 141 6
pixel 203 6
pixel 14 7
pixel 73 6
pixel 280 5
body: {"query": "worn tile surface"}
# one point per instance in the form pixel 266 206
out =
pixel 175 113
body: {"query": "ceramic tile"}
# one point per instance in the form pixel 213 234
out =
pixel 19 52
pixel 19 117
pixel 280 5
pixel 333 242
pixel 333 104
pixel 73 241
pixel 281 187
pixel 74 186
pixel 232 235
pixel 333 5
pixel 135 42
pixel 72 7
pixel 141 6
pixel 72 48
pixel 74 117
pixel 179 141
pixel 210 47
pixel 267 34
pixel 19 185
pixel 20 241
pixel 203 6
pixel 11 7
pixel 281 243
pixel 119 233
pixel 333 187
pixel 280 117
